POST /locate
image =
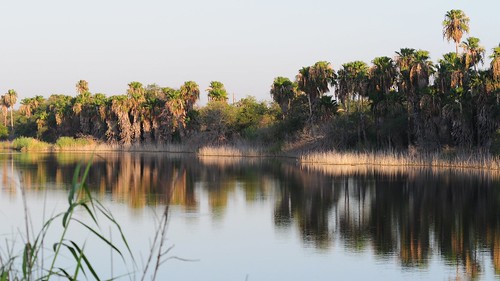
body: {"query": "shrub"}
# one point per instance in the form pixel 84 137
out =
pixel 69 142
pixel 4 132
pixel 30 144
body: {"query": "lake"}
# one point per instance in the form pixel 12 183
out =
pixel 267 219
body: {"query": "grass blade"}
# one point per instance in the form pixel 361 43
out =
pixel 100 236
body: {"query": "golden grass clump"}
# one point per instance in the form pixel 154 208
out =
pixel 477 161
pixel 231 151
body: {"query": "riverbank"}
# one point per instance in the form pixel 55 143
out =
pixel 444 159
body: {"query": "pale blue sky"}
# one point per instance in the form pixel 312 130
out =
pixel 47 46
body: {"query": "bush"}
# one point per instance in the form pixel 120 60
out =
pixel 69 142
pixel 4 132
pixel 30 144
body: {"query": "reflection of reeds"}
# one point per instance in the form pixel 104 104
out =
pixel 227 161
pixel 403 159
pixel 412 171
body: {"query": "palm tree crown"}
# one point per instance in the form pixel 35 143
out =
pixel 455 24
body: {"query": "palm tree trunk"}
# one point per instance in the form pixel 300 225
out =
pixel 11 120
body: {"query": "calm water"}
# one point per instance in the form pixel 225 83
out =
pixel 272 219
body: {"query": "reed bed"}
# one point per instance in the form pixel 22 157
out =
pixel 406 159
pixel 232 151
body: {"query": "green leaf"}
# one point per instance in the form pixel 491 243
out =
pixel 100 237
pixel 74 184
pixel 89 265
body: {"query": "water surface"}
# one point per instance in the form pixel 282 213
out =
pixel 271 219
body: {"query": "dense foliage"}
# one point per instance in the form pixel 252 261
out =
pixel 396 102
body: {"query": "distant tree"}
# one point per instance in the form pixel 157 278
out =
pixel 315 81
pixel 455 24
pixel 190 93
pixel 495 63
pixel 473 52
pixel 10 101
pixel 282 92
pixel 217 92
pixel 136 94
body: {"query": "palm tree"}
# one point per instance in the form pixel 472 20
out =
pixel 495 63
pixel 136 94
pixel 382 80
pixel 5 108
pixel 122 128
pixel 175 108
pixel 455 24
pixel 421 69
pixel 352 82
pixel 190 93
pixel 383 74
pixel 282 92
pixel 449 73
pixel 352 85
pixel 474 53
pixel 217 92
pixel 81 106
pixel 315 81
pixel 82 87
pixel 10 101
pixel 29 105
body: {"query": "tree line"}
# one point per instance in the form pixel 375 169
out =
pixel 396 102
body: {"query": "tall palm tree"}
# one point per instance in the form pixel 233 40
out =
pixel 495 63
pixel 282 92
pixel 455 24
pixel 473 52
pixel 136 94
pixel 29 105
pixel 122 128
pixel 190 93
pixel 421 69
pixel 217 92
pixel 383 74
pixel 5 108
pixel 382 79
pixel 10 101
pixel 175 106
pixel 449 73
pixel 353 85
pixel 81 106
pixel 352 82
pixel 82 87
pixel 315 81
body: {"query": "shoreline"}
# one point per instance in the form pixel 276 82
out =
pixel 443 159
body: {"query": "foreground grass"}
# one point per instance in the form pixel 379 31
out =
pixel 67 257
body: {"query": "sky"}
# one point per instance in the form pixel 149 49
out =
pixel 47 46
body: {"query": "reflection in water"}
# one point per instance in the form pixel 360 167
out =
pixel 411 214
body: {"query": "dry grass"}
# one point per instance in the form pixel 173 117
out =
pixel 440 160
pixel 232 151
pixel 103 147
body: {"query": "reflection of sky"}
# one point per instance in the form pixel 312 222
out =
pixel 240 240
